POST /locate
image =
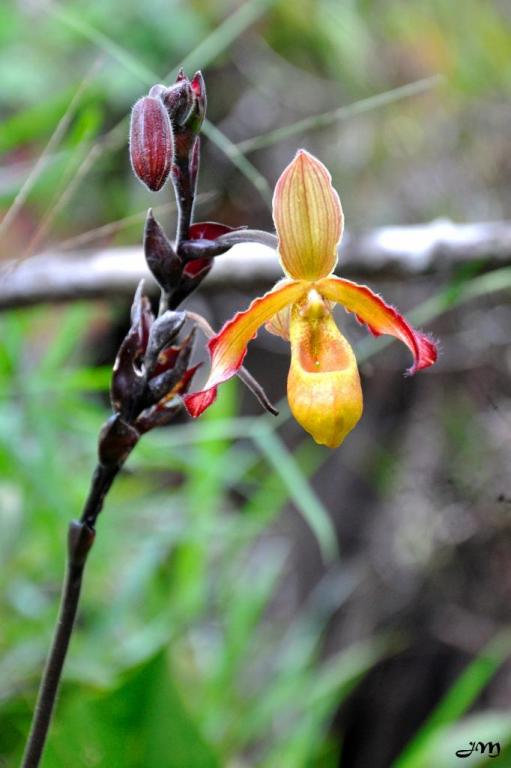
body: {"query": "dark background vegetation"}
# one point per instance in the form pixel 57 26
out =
pixel 219 626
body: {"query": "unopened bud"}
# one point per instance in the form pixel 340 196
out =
pixel 160 255
pixel 172 379
pixel 198 111
pixel 164 330
pixel 151 142
pixel 199 87
pixel 192 276
pixel 178 99
pixel 129 376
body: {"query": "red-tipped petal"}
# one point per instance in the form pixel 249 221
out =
pixel 379 317
pixel 229 346
pixel 197 403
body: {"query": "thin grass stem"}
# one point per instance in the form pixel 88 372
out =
pixel 342 113
pixel 49 149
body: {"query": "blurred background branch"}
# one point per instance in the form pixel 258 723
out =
pixel 440 248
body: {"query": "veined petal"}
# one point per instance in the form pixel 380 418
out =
pixel 323 385
pixel 229 346
pixel 279 323
pixel 308 217
pixel 379 317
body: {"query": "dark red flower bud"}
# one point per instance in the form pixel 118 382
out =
pixel 160 255
pixel 178 100
pixel 163 331
pixel 151 142
pixel 159 415
pixel 170 380
pixel 129 379
pixel 198 264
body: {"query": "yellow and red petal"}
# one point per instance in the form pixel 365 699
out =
pixel 323 387
pixel 228 348
pixel 380 318
pixel 308 217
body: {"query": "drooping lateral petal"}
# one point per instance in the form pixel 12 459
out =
pixel 229 346
pixel 380 318
pixel 323 386
pixel 308 217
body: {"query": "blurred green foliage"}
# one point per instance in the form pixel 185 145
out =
pixel 175 644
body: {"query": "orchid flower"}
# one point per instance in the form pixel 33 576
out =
pixel 323 385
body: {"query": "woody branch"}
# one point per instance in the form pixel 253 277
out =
pixel 436 247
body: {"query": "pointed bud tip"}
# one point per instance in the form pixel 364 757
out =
pixel 307 158
pixel 198 84
pixel 178 100
pixel 151 223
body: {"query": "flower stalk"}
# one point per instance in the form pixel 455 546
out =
pixel 80 541
pixel 152 369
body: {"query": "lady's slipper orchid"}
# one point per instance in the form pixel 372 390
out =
pixel 323 386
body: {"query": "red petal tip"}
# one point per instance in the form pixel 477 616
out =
pixel 427 353
pixel 197 403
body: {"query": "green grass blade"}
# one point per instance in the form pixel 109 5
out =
pixel 239 160
pixel 493 725
pixel 85 133
pixel 225 34
pixel 317 697
pixel 456 701
pixel 57 135
pixel 270 492
pixel 66 339
pixel 303 496
pixel 342 113
pixel 82 27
